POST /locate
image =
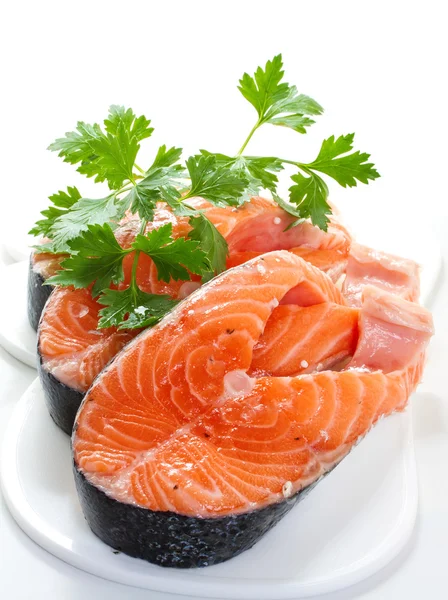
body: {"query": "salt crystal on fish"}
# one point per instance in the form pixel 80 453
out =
pixel 277 220
pixel 273 304
pixel 80 311
pixel 287 489
pixel 324 434
pixel 304 364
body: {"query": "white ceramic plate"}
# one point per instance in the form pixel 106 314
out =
pixel 17 246
pixel 16 334
pixel 19 339
pixel 352 524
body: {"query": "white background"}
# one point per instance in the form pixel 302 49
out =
pixel 378 68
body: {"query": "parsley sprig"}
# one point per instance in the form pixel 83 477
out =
pixel 106 155
pixel 275 101
pixel 278 103
pixel 84 228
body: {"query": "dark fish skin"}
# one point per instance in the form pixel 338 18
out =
pixel 62 401
pixel 169 539
pixel 38 294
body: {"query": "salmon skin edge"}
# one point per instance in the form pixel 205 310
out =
pixel 61 400
pixel 169 539
pixel 38 294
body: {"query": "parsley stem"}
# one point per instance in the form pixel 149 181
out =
pixel 139 169
pixel 247 140
pixel 124 189
pixel 188 195
pixel 289 162
pixel 133 283
pixel 143 226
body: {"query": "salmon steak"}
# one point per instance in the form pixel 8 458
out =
pixel 205 430
pixel 75 351
pixel 72 351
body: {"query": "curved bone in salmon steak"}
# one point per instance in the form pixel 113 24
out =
pixel 176 424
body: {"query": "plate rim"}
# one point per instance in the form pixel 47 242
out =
pixel 17 252
pixel 22 354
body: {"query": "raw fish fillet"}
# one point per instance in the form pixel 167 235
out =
pixel 176 423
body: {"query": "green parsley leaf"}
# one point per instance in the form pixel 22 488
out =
pixel 261 170
pixel 258 170
pixel 173 198
pixel 50 248
pixel 142 200
pixel 172 257
pixel 78 146
pixel 43 226
pixel 64 201
pixel 106 156
pixel 120 117
pixel 276 102
pixel 157 184
pixel 96 258
pixel 264 88
pixel 213 182
pixel 211 242
pixel 297 122
pixel 348 169
pixel 167 158
pixel 116 157
pixel 310 195
pixel 83 213
pixel 165 170
pixel 290 111
pixel 132 308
